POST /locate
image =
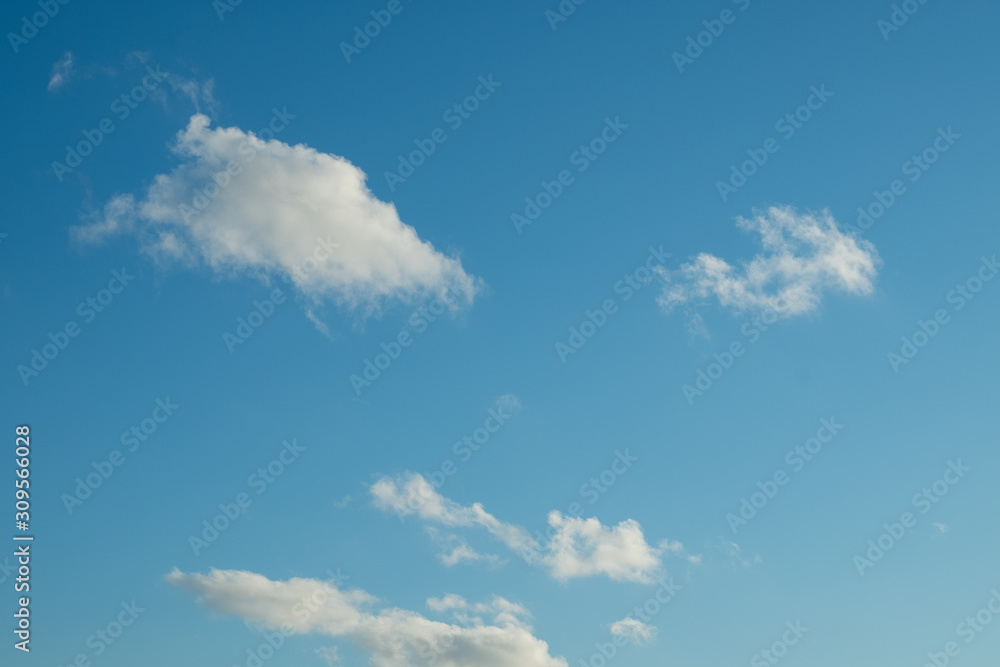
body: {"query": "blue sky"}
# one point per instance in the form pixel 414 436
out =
pixel 482 401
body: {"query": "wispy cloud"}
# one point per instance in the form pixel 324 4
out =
pixel 735 555
pixel 411 493
pixel 199 93
pixel 579 547
pixel 62 70
pixel 804 254
pixel 455 550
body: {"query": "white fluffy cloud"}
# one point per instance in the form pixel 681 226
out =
pixel 634 630
pixel 585 547
pixel 577 547
pixel 804 255
pixel 394 637
pixel 283 210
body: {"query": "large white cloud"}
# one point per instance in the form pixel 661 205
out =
pixel 577 547
pixel 394 637
pixel 287 210
pixel 804 254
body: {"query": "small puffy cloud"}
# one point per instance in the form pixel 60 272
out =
pixel 941 527
pixel 578 547
pixel 242 205
pixel 394 637
pixel 62 70
pixel 509 403
pixel 585 547
pixel 634 630
pixel 803 256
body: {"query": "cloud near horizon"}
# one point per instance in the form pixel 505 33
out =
pixel 803 256
pixel 394 637
pixel 240 204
